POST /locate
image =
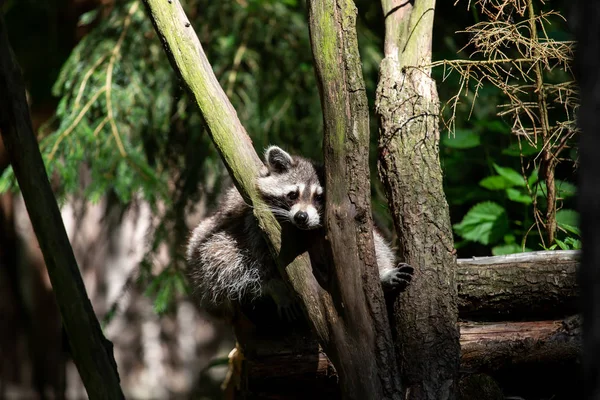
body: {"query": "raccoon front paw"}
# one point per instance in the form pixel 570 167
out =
pixel 397 279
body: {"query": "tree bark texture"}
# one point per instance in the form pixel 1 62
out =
pixel 364 351
pixel 536 285
pixel 344 338
pixel 585 20
pixel 91 351
pixel 407 106
pixel 493 346
pixel 485 347
pixel 234 145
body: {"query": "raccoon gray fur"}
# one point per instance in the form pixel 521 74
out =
pixel 228 259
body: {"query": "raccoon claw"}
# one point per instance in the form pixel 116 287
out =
pixel 397 279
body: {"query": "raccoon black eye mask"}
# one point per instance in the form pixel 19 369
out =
pixel 227 257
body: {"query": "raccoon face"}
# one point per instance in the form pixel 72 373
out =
pixel 293 188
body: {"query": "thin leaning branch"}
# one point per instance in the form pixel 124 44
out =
pixel 235 148
pixel 91 351
pixel 547 165
pixel 76 121
pixel 86 78
pixel 109 76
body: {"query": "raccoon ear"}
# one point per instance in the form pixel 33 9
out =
pixel 278 160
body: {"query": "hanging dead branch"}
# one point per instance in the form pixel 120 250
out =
pixel 512 51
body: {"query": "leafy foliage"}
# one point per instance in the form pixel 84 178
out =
pixel 124 126
pixel 484 223
pixel 505 64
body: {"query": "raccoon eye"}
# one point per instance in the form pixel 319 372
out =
pixel 292 195
pixel 319 197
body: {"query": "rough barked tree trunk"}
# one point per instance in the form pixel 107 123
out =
pixel 338 331
pixel 91 351
pixel 409 167
pixel 356 291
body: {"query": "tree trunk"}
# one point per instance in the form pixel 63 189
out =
pixel 364 352
pixel 537 285
pixel 407 107
pixel 235 148
pixel 350 337
pixel 91 351
pixel 586 21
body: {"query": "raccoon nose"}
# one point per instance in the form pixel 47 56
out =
pixel 301 217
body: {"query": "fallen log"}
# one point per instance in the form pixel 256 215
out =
pixel 485 346
pixel 540 359
pixel 493 346
pixel 536 285
pixel 498 347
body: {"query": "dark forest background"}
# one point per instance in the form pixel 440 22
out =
pixel 134 171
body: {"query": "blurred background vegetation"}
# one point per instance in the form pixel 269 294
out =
pixel 116 128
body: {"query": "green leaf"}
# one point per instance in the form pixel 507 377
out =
pixel 485 223
pixel 561 244
pixel 514 177
pixel 518 196
pixel 509 239
pixel 163 298
pixel 567 217
pixel 568 220
pixel 8 180
pixel 180 283
pixel 495 182
pixel 572 229
pixel 573 243
pixel 565 189
pixel 463 139
pixel 88 17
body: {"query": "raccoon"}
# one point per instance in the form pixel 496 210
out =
pixel 228 259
